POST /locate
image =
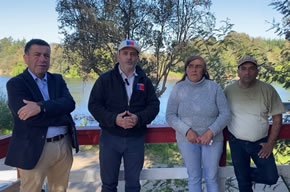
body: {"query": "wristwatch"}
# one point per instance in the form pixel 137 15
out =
pixel 40 104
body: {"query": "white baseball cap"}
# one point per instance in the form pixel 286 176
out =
pixel 129 43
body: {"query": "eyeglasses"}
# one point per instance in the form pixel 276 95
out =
pixel 191 66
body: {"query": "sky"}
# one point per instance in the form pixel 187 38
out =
pixel 27 19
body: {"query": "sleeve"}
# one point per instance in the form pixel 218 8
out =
pixel 148 114
pixel 97 107
pixel 224 114
pixel 172 117
pixel 276 106
pixel 63 104
pixel 18 89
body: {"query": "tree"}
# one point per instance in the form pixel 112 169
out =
pixel 278 69
pixel 11 54
pixel 270 54
pixel 240 44
pixel 281 72
pixel 282 28
pixel 175 24
pixel 58 63
pixel 211 46
pixel 94 28
pixel 87 27
pixel 135 20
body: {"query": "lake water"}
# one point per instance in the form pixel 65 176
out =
pixel 80 91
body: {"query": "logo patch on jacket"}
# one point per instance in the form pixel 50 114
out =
pixel 140 86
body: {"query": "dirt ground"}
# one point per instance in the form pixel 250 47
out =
pixel 86 159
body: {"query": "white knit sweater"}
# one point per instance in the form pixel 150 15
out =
pixel 197 105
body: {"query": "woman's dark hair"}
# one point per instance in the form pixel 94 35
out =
pixel 34 42
pixel 191 58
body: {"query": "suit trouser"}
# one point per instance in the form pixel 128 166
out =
pixel 55 163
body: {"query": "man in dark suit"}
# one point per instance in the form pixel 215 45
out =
pixel 43 134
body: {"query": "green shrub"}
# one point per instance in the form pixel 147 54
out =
pixel 6 122
pixel 19 68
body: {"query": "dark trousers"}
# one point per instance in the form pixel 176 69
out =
pixel 112 150
pixel 242 152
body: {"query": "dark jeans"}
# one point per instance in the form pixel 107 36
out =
pixel 112 150
pixel 242 152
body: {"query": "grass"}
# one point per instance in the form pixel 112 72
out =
pixel 85 148
pixel 163 153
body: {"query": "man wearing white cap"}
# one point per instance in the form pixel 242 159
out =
pixel 251 102
pixel 123 101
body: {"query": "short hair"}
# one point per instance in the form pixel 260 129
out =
pixel 34 42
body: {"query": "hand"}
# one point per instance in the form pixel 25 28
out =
pixel 29 110
pixel 266 150
pixel 126 120
pixel 205 137
pixel 192 136
pixel 134 118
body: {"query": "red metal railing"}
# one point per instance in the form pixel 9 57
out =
pixel 89 135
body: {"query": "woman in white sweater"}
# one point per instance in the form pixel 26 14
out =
pixel 197 109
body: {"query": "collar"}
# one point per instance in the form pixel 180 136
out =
pixel 35 77
pixel 199 83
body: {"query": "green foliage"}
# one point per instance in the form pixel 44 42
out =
pixel 93 29
pixel 169 185
pixel 58 63
pixel 88 26
pixel 19 68
pixel 272 56
pixel 282 28
pixel 72 72
pixel 163 153
pixel 12 63
pixel 168 32
pixel 11 52
pixel 6 121
pixel 282 151
pixel 277 67
pixel 84 122
pixel 230 186
pixel 175 75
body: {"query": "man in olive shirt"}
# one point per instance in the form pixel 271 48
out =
pixel 251 102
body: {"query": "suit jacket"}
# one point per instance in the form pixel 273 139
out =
pixel 28 137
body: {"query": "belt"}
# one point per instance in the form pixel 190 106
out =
pixel 56 138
